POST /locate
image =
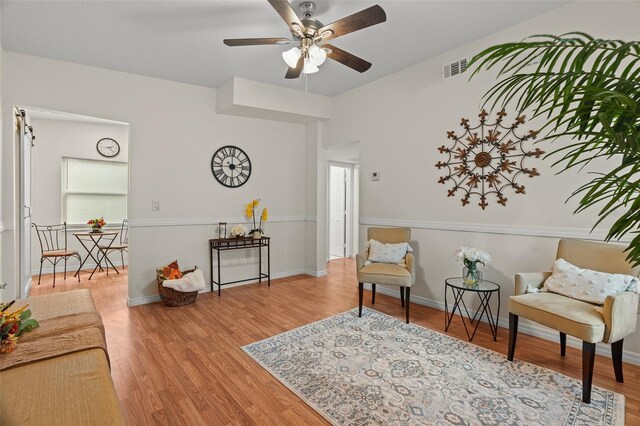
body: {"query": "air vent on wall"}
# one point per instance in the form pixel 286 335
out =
pixel 454 68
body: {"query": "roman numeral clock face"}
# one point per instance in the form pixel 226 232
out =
pixel 231 166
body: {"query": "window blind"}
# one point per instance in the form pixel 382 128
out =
pixel 93 188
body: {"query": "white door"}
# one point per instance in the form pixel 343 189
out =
pixel 338 211
pixel 25 144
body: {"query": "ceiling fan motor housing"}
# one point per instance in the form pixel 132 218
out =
pixel 308 8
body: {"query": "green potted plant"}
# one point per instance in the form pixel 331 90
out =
pixel 586 91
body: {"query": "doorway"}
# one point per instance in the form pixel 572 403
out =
pixel 64 179
pixel 340 210
pixel 23 140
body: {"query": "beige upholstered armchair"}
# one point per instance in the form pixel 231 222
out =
pixel 577 318
pixel 385 273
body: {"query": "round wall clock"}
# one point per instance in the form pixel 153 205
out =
pixel 231 166
pixel 108 147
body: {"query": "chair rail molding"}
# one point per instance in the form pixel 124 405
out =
pixel 199 221
pixel 491 228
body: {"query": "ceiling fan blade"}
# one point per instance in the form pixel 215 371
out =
pixel 295 72
pixel 359 20
pixel 254 41
pixel 346 58
pixel 289 16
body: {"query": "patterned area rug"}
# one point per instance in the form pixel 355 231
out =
pixel 377 370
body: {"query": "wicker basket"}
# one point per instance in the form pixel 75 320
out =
pixel 172 297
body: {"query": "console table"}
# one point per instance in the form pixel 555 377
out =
pixel 224 244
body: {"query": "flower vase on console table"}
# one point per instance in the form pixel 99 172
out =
pixel 250 213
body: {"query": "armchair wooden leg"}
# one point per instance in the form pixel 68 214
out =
pixel 408 291
pixel 402 296
pixel 563 344
pixel 616 355
pixel 588 357
pixel 360 296
pixel 373 296
pixel 513 335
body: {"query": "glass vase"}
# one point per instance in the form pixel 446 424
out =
pixel 471 276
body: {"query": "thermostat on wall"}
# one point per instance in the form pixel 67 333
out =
pixel 375 175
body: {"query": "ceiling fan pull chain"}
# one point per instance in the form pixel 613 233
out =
pixel 306 76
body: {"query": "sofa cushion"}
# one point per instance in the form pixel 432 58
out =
pixel 61 313
pixel 573 317
pixel 73 389
pixel 586 284
pixel 385 273
pixel 58 304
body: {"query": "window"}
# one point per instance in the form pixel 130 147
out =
pixel 93 188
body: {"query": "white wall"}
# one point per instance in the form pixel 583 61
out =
pixel 55 139
pixel 401 119
pixel 174 132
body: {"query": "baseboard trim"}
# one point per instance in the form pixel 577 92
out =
pixel 316 274
pixel 488 228
pixel 70 268
pixel 143 300
pixel 524 326
pixel 28 288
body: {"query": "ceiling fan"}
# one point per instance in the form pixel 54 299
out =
pixel 310 35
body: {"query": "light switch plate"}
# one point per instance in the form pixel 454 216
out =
pixel 155 205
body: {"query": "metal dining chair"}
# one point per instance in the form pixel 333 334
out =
pixel 122 246
pixel 53 247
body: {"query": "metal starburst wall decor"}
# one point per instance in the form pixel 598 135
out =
pixel 487 159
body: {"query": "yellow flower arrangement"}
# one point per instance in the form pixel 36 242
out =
pixel 250 213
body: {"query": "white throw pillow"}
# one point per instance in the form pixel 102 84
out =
pixel 585 284
pixel 387 253
pixel 193 281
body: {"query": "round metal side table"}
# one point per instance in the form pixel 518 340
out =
pixel 484 289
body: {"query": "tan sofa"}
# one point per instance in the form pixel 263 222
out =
pixel 59 373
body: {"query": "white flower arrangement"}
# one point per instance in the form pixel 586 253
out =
pixel 471 256
pixel 239 231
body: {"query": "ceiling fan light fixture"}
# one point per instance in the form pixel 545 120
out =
pixel 291 56
pixel 309 68
pixel 317 55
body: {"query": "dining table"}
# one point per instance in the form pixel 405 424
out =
pixel 100 242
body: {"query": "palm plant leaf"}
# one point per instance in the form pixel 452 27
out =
pixel 586 91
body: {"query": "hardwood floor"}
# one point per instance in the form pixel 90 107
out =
pixel 184 365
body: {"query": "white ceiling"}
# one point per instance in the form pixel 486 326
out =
pixel 182 40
